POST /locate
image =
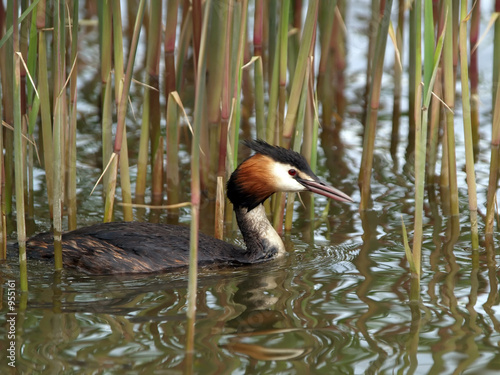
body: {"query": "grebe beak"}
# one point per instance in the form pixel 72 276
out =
pixel 325 190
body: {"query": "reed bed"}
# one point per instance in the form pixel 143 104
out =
pixel 39 77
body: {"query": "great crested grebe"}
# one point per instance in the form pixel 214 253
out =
pixel 132 247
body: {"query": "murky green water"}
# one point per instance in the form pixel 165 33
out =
pixel 337 304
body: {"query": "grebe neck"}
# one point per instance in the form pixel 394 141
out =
pixel 262 241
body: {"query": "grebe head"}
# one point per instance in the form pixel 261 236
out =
pixel 273 169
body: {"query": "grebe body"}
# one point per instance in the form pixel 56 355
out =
pixel 132 247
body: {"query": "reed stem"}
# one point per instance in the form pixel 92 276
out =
pixel 298 82
pixel 71 160
pixel 195 179
pixel 494 165
pixel 58 132
pixel 46 118
pixel 19 154
pixel 496 56
pixel 449 99
pixel 373 103
pixel 469 150
pixel 122 111
pixel 431 61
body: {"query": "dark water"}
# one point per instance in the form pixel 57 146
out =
pixel 337 304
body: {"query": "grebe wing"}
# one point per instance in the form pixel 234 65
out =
pixel 132 247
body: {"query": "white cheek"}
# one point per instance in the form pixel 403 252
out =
pixel 283 181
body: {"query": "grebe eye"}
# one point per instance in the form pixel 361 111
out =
pixel 292 172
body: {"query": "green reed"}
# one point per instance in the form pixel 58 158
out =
pixel 299 129
pixel 195 178
pixel 172 119
pixel 121 117
pixel 58 134
pixel 298 82
pixel 105 12
pixel 398 75
pixel 226 105
pixel 373 104
pixel 496 55
pixel 239 62
pixel 142 158
pixel 449 156
pixel 282 71
pixel 119 87
pixel 494 165
pixel 325 92
pixel 216 85
pixel 466 114
pixel 215 65
pixel 474 74
pixel 272 127
pixel 432 56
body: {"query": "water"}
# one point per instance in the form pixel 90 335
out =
pixel 323 309
pixel 338 303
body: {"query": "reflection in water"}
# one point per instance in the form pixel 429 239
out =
pixel 329 308
pixel 300 313
pixel 335 304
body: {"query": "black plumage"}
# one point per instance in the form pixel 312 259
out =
pixel 131 247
